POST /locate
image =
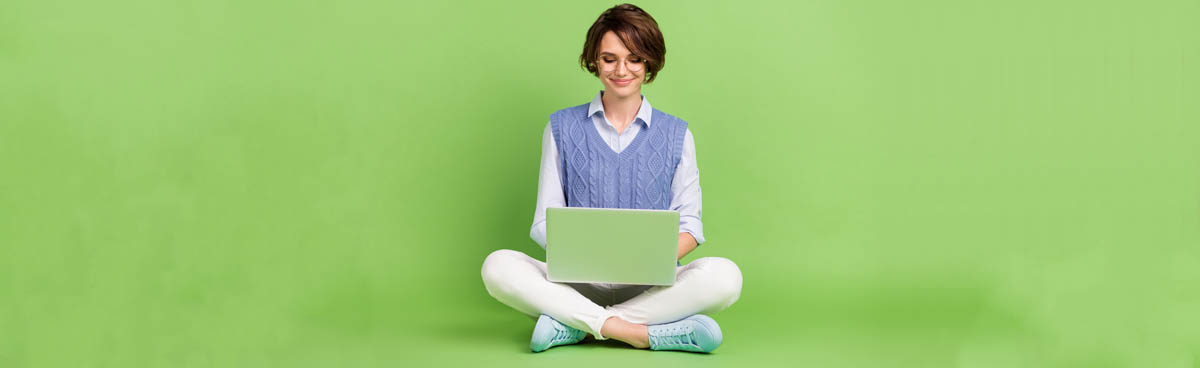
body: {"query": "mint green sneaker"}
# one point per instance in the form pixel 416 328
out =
pixel 698 333
pixel 549 333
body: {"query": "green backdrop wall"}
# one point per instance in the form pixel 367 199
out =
pixel 282 183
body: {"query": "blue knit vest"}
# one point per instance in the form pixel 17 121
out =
pixel 593 175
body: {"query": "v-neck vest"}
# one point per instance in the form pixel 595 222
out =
pixel 593 175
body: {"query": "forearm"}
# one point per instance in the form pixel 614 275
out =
pixel 549 192
pixel 686 245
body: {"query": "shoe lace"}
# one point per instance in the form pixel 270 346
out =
pixel 678 336
pixel 563 334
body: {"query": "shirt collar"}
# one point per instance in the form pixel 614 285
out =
pixel 644 112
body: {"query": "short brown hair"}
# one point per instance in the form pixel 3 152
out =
pixel 636 29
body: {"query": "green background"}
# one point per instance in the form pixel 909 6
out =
pixel 306 183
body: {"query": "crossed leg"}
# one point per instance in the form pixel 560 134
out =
pixel 705 285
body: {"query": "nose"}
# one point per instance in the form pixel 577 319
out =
pixel 622 70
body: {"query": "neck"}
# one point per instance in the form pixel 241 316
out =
pixel 621 110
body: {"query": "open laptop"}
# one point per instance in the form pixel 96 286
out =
pixel 608 245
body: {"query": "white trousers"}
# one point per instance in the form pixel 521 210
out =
pixel 706 285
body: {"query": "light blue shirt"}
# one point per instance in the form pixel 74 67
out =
pixel 685 186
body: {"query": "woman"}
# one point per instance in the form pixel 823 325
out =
pixel 651 165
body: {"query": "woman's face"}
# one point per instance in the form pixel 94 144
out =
pixel 621 72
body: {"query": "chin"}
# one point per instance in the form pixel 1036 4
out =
pixel 630 90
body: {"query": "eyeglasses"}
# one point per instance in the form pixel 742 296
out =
pixel 633 63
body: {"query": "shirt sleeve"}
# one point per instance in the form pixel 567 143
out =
pixel 685 191
pixel 550 193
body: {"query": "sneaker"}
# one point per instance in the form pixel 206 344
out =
pixel 549 333
pixel 697 333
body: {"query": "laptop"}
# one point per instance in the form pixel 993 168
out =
pixel 609 245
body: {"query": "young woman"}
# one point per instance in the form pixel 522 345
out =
pixel 618 151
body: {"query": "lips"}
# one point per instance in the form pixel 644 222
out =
pixel 621 82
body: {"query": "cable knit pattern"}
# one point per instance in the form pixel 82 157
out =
pixel 596 176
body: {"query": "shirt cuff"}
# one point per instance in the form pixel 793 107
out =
pixel 538 234
pixel 692 225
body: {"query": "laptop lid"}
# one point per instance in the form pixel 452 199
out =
pixel 608 245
